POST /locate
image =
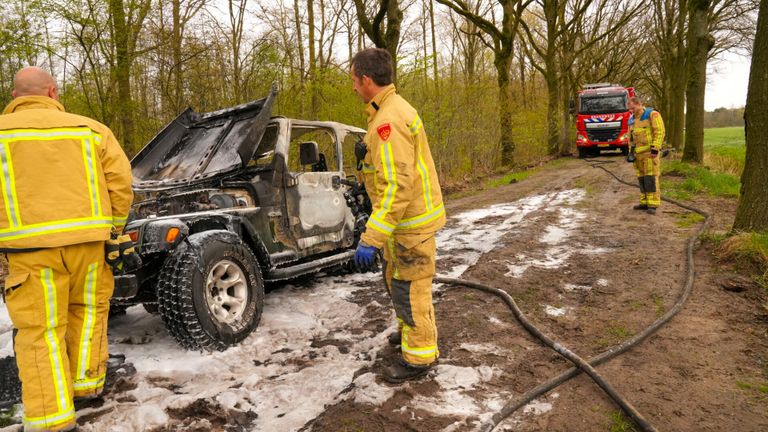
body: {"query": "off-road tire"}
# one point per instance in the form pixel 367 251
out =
pixel 583 152
pixel 625 151
pixel 181 291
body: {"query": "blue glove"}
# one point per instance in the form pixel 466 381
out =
pixel 365 255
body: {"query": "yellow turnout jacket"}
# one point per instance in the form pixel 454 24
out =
pixel 648 131
pixel 64 178
pixel 399 172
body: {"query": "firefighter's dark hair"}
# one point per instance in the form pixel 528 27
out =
pixel 375 63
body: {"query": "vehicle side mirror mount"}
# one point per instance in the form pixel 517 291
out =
pixel 309 153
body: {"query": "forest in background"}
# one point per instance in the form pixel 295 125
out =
pixel 492 79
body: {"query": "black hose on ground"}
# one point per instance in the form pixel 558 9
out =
pixel 553 383
pixel 631 411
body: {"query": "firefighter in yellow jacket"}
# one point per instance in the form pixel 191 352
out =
pixel 648 137
pixel 65 185
pixel 401 181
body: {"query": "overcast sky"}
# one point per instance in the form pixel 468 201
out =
pixel 727 82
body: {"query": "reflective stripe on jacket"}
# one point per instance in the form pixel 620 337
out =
pixel 63 177
pixel 399 172
pixel 648 131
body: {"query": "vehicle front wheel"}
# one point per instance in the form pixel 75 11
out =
pixel 625 151
pixel 210 292
pixel 583 152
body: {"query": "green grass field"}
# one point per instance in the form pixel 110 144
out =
pixel 724 151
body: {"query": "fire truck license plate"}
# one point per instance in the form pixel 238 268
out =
pixel 603 144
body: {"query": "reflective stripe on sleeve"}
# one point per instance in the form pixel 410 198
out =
pixel 390 175
pixel 380 225
pixel 119 220
pixel 425 183
pixel 416 125
pixel 422 219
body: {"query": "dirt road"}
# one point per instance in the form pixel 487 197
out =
pixel 565 243
pixel 591 272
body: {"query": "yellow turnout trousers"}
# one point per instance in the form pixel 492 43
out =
pixel 58 300
pixel 648 170
pixel 409 266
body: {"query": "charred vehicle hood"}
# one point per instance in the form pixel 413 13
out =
pixel 194 148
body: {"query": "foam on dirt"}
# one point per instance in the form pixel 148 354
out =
pixel 278 373
pixel 557 238
pixel 476 232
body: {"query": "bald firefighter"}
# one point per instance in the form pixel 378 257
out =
pixel 408 210
pixel 65 185
pixel 647 137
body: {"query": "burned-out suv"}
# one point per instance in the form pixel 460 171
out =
pixel 230 199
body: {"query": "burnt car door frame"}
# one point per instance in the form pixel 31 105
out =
pixel 316 213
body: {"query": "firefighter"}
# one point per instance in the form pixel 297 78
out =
pixel 647 137
pixel 401 180
pixel 65 185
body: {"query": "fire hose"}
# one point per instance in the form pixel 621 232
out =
pixel 581 365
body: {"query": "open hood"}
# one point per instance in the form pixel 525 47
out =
pixel 195 147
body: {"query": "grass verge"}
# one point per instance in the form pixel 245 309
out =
pixel 747 250
pixel 697 179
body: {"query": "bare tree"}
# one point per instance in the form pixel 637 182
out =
pixel 502 44
pixel 566 31
pixel 383 34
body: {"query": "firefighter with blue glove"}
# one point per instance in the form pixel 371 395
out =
pixel 401 180
pixel 647 135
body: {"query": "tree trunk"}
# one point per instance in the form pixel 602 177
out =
pixel 434 49
pixel 503 64
pixel 176 57
pixel 699 44
pixel 676 116
pixel 752 212
pixel 122 72
pixel 312 59
pixel 553 114
pixel 565 140
pixel 392 34
pixel 676 124
pixel 300 49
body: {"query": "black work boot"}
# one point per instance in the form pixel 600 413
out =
pixel 394 339
pixel 640 207
pixel 651 210
pixel 403 371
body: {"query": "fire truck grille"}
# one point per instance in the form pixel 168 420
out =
pixel 603 135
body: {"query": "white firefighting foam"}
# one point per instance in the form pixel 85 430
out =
pixel 280 374
pixel 6 343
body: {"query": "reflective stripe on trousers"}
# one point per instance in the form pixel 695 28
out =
pixel 59 303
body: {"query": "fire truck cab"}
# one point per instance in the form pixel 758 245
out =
pixel 602 118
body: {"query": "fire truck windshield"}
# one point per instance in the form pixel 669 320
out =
pixel 603 104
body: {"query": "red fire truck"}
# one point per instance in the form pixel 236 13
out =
pixel 602 118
